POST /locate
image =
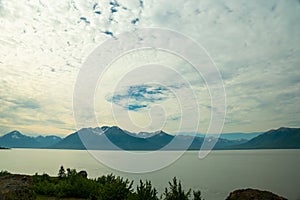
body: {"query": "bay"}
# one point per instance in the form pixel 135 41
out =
pixel 216 176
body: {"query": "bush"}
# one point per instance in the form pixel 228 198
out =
pixel 61 172
pixel 114 188
pixel 145 191
pixel 197 195
pixel 176 192
pixel 4 172
pixel 109 187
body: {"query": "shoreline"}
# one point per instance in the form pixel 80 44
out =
pixel 150 150
pixel 70 184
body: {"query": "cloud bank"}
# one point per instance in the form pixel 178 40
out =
pixel 255 45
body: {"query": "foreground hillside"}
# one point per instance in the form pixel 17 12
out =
pixel 71 184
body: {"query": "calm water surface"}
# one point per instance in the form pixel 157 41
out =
pixel 216 175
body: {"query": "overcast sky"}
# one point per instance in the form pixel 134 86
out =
pixel 43 44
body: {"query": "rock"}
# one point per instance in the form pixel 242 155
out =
pixel 253 194
pixel 16 187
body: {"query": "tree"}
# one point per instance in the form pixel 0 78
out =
pixel 71 172
pixel 197 195
pixel 145 191
pixel 61 172
pixel 113 188
pixel 176 192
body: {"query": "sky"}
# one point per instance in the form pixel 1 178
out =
pixel 254 44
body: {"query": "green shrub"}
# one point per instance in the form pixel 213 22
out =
pixel 109 187
pixel 114 188
pixel 4 172
pixel 197 195
pixel 145 191
pixel 176 192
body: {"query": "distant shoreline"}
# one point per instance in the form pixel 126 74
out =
pixel 168 150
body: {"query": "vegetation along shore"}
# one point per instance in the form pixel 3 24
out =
pixel 70 184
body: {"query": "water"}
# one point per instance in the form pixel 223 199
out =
pixel 216 175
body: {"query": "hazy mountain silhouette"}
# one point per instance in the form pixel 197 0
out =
pixel 15 139
pixel 228 136
pixel 282 138
pixel 114 138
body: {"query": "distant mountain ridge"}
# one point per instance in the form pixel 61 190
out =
pixel 15 139
pixel 114 138
pixel 228 136
pixel 282 138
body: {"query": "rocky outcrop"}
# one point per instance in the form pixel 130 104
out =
pixel 253 194
pixel 16 187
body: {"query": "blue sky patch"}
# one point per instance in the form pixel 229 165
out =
pixel 138 97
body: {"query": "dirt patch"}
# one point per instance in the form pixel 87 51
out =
pixel 16 187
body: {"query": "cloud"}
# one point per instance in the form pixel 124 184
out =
pixel 255 45
pixel 41 51
pixel 25 103
pixel 175 118
pixel 139 97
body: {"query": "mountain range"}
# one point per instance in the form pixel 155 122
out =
pixel 228 136
pixel 15 139
pixel 282 138
pixel 114 138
